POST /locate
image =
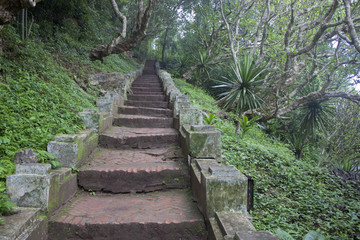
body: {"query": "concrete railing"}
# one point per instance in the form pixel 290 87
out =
pixel 220 191
pixel 39 190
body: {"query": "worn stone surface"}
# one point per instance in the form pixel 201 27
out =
pixel 105 121
pixel 224 193
pixel 25 156
pixel 181 102
pixel 33 168
pixel 110 102
pixel 196 167
pixel 155 112
pixel 253 235
pixel 142 121
pixel 26 224
pixel 135 170
pixel 63 186
pixel 29 190
pixel 72 150
pixel 223 171
pixel 203 143
pixel 91 118
pixel 124 138
pixel 108 81
pixel 190 116
pixel 159 215
pixel 214 232
pixel 204 128
pixel 231 222
pixel 149 104
pixel 65 152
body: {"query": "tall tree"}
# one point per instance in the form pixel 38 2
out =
pixel 121 43
pixel 301 41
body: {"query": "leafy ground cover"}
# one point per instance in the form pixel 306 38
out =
pixel 41 91
pixel 293 195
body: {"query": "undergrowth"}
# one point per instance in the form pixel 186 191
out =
pixel 43 86
pixel 293 195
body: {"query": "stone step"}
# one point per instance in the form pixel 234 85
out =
pixel 149 72
pixel 165 215
pixel 125 138
pixel 140 170
pixel 148 77
pixel 147 85
pixel 147 97
pixel 154 104
pixel 147 90
pixel 147 82
pixel 156 112
pixel 152 78
pixel 140 121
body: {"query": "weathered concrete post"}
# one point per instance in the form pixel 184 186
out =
pixel 72 150
pixel 30 185
pixel 202 141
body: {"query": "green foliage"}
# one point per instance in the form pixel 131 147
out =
pixel 44 80
pixel 209 118
pixel 46 157
pixel 310 236
pixel 6 206
pixel 246 124
pixel 242 87
pixel 197 95
pixel 74 170
pixel 294 195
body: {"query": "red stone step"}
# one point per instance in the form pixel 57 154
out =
pixel 154 104
pixel 156 112
pixel 148 79
pixel 147 85
pixel 125 138
pixel 144 170
pixel 140 121
pixel 147 82
pixel 149 72
pixel 159 215
pixel 147 97
pixel 145 89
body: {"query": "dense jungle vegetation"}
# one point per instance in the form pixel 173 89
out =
pixel 284 75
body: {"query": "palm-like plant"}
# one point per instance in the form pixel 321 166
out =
pixel 315 115
pixel 242 87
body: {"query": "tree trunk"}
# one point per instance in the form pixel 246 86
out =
pixel 164 46
pixel 237 130
pixel 190 72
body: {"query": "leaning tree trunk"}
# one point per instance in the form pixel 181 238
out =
pixel 120 44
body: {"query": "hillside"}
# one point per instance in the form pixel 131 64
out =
pixel 44 81
pixel 293 195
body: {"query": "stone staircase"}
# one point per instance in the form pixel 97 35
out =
pixel 137 182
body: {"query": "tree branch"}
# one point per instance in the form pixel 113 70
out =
pixel 350 23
